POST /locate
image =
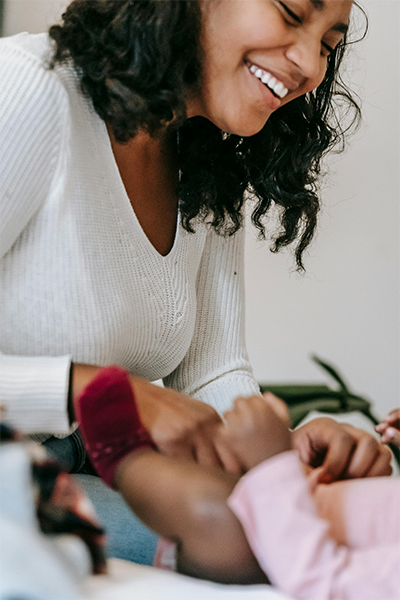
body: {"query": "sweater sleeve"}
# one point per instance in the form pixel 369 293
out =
pixel 32 107
pixel 33 390
pixel 291 542
pixel 216 368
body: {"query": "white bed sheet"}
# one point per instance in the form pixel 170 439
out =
pixel 128 581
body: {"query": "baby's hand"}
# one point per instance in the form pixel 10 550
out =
pixel 256 428
pixel 389 428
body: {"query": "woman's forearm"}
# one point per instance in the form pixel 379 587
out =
pixel 81 376
pixel 180 426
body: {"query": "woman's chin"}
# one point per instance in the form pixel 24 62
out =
pixel 236 125
pixel 245 128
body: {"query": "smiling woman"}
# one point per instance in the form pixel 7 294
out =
pixel 133 89
pixel 130 137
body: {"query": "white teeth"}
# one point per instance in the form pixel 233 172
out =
pixel 275 85
pixel 278 88
pixel 266 78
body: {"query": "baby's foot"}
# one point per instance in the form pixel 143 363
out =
pixel 110 422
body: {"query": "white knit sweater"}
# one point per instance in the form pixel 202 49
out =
pixel 79 278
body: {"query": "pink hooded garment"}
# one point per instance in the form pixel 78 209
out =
pixel 341 541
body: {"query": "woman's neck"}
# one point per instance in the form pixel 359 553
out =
pixel 149 170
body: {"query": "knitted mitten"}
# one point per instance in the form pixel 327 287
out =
pixel 110 422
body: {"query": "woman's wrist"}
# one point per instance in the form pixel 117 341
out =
pixel 70 403
pixel 79 377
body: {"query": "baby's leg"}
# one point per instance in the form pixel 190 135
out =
pixel 361 512
pixel 186 503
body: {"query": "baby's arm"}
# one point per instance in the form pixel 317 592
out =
pixel 187 504
pixel 389 428
pixel 287 536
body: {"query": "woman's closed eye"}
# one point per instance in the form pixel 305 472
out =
pixel 334 43
pixel 294 18
pixel 326 49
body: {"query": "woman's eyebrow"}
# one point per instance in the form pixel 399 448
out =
pixel 320 5
pixel 341 27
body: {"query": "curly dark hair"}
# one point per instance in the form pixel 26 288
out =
pixel 136 58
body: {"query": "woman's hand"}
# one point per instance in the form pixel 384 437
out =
pixel 256 429
pixel 342 451
pixel 389 428
pixel 180 426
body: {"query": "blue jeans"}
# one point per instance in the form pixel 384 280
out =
pixel 127 537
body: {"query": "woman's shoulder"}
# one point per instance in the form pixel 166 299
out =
pixel 25 61
pixel 33 124
pixel 25 65
pixel 32 49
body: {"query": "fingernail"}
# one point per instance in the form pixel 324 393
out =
pixel 390 433
pixel 325 478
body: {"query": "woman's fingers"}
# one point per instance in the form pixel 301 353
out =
pixel 382 464
pixel 324 442
pixel 229 461
pixel 364 456
pixel 205 454
pixel 393 418
pixel 380 428
pixel 180 426
pixel 391 436
pixel 338 456
pixel 389 428
pixel 343 451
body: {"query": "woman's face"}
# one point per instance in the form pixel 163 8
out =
pixel 260 55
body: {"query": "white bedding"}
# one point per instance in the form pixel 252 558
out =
pixel 32 565
pixel 127 581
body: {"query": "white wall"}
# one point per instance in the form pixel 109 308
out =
pixel 346 308
pixel 31 15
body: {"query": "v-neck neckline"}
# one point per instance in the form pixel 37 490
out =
pixel 128 205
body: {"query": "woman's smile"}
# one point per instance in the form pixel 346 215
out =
pixel 271 99
pixel 272 83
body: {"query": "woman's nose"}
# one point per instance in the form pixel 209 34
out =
pixel 305 53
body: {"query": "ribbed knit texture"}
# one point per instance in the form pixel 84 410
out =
pixel 78 276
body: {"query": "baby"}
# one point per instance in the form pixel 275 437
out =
pixel 313 541
pixel 329 542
